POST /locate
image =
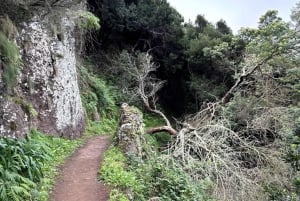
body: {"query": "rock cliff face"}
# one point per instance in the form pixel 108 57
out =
pixel 47 95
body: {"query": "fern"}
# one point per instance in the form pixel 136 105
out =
pixel 21 166
pixel 14 186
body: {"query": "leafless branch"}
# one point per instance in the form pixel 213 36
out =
pixel 140 69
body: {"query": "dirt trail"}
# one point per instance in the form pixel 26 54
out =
pixel 77 180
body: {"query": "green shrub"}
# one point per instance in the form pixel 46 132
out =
pixel 151 120
pixel 279 194
pixel 165 179
pixel 288 129
pixel 206 89
pixel 28 166
pixel 98 97
pixel 293 156
pixel 160 139
pixel 296 184
pixel 113 170
pixel 13 186
pixel 88 21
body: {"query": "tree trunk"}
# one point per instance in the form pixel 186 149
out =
pixel 168 129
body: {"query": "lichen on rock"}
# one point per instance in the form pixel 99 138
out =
pixel 48 79
pixel 14 122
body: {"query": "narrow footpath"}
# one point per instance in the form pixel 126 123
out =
pixel 77 179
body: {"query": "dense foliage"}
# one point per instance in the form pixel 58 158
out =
pixel 195 59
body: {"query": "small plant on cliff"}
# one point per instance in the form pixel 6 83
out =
pixel 8 28
pixel 9 52
pixel 10 59
pixel 88 21
pixel 27 107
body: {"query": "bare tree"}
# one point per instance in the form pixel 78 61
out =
pixel 139 68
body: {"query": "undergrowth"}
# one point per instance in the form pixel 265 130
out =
pixel 157 178
pixel 99 101
pixel 159 139
pixel 21 166
pixel 97 95
pixel 107 126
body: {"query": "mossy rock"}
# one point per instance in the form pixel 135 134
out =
pixel 130 129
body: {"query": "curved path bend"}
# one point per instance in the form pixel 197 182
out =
pixel 77 179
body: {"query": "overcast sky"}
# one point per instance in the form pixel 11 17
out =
pixel 237 13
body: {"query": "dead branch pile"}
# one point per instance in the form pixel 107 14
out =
pixel 235 162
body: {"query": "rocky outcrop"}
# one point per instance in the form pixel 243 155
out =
pixel 130 130
pixel 47 91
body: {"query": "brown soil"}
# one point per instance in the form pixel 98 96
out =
pixel 77 180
